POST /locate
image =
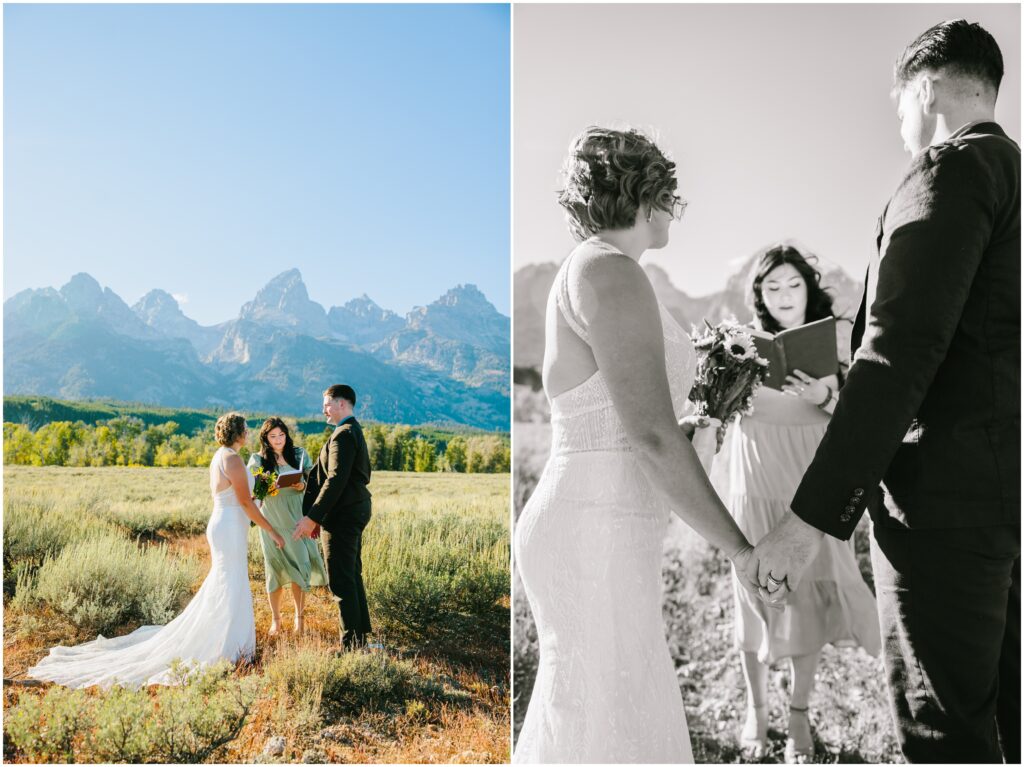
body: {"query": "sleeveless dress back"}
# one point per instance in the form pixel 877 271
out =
pixel 588 548
pixel 218 624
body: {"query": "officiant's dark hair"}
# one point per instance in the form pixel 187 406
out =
pixel 608 175
pixel 957 46
pixel 267 452
pixel 819 302
pixel 341 391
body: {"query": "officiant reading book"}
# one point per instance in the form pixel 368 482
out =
pixel 809 348
pixel 290 478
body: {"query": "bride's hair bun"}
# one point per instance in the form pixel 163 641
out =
pixel 229 428
pixel 608 175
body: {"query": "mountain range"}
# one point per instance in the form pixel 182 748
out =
pixel 532 283
pixel 446 362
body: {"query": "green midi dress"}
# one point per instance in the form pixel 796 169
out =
pixel 299 561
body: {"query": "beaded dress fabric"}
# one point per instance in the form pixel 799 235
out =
pixel 588 547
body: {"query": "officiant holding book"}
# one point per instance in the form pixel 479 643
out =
pixel 298 565
pixel 764 456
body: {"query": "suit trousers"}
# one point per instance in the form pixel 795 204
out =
pixel 949 604
pixel 342 545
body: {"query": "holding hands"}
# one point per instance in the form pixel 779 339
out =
pixel 777 564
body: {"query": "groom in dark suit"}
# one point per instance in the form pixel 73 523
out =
pixel 926 432
pixel 338 500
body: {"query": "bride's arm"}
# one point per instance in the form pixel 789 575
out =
pixel 619 307
pixel 235 470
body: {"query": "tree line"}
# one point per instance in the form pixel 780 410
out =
pixel 129 441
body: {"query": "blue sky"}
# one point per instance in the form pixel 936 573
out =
pixel 778 117
pixel 204 149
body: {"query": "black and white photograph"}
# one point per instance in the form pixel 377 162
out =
pixel 766 355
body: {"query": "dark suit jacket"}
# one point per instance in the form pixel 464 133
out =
pixel 926 433
pixel 340 475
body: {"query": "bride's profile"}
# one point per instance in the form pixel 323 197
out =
pixel 617 372
pixel 218 624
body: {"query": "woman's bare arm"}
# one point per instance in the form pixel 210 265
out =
pixel 619 307
pixel 235 471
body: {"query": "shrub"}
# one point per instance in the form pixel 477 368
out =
pixel 184 515
pixel 186 724
pixel 104 582
pixel 351 683
pixel 37 528
pixel 45 727
pixel 440 579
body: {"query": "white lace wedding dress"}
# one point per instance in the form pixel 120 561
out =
pixel 588 547
pixel 218 624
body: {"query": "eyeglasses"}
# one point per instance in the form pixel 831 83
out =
pixel 678 207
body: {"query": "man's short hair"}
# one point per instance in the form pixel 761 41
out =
pixel 958 47
pixel 341 391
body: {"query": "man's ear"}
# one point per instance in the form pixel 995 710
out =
pixel 926 93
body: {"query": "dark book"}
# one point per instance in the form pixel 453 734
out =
pixel 810 348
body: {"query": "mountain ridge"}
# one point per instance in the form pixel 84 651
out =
pixel 446 362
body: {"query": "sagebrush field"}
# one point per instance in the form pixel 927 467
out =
pixel 105 550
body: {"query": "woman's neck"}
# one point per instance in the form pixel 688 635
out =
pixel 629 242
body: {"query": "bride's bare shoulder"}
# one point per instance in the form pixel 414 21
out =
pixel 603 268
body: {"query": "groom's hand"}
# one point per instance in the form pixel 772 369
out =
pixel 784 555
pixel 304 529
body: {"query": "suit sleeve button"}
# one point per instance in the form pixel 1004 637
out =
pixel 858 492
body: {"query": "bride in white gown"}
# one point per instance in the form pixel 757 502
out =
pixel 617 371
pixel 218 624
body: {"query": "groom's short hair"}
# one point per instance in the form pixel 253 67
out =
pixel 341 391
pixel 958 47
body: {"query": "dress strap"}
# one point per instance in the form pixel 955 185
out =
pixel 220 460
pixel 564 304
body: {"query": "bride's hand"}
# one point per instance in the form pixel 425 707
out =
pixel 741 562
pixel 276 538
pixel 689 424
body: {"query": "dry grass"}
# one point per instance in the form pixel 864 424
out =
pixel 471 725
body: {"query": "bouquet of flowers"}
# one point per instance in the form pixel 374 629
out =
pixel 265 485
pixel 729 372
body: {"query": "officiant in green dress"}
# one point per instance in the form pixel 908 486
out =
pixel 299 565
